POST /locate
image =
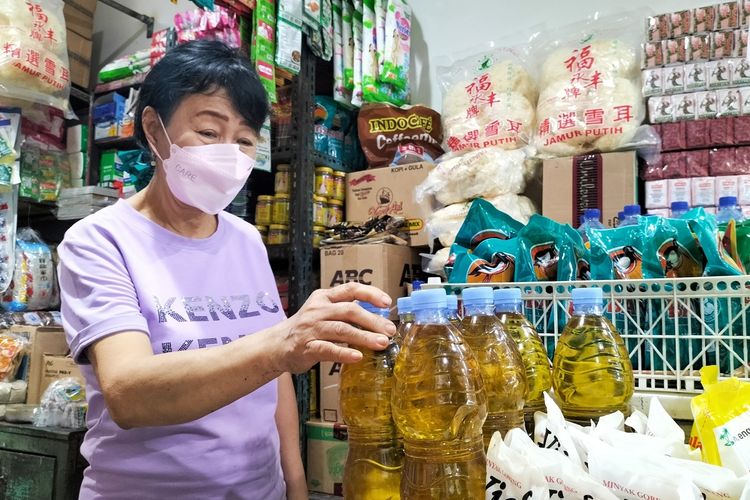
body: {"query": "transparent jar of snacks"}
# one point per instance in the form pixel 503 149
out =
pixel 280 211
pixel 263 210
pixel 320 211
pixel 281 179
pixel 335 212
pixel 324 181
pixel 263 230
pixel 319 234
pixel 278 234
pixel 339 186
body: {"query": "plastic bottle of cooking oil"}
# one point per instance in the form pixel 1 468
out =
pixel 509 310
pixel 453 315
pixel 405 319
pixel 591 370
pixel 500 363
pixel 439 406
pixel 375 459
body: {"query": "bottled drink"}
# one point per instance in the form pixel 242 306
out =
pixel 630 215
pixel 375 459
pixel 405 319
pixel 620 218
pixel 678 209
pixel 500 363
pixel 439 406
pixel 728 210
pixel 453 315
pixel 592 218
pixel 509 309
pixel 591 370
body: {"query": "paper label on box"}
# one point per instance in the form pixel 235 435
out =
pixel 674 79
pixel 660 109
pixel 707 105
pixel 719 75
pixel 703 192
pixel 330 381
pixel 656 194
pixel 679 190
pixel 661 212
pixel 695 76
pixel 684 107
pixel 743 189
pixel 729 102
pixel 652 82
pixel 726 186
pixel 746 211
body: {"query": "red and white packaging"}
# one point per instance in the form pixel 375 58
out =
pixel 703 191
pixel 704 19
pixel 722 45
pixel 657 194
pixel 680 23
pixel 657 27
pixel 675 50
pixel 728 102
pixel 673 79
pixel 727 16
pixel 740 42
pixel 678 190
pixel 653 54
pixel 743 189
pixel 661 212
pixel 661 110
pixel 699 47
pixel 744 12
pixel 726 186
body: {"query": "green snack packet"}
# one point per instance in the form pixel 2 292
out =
pixel 484 222
pixel 493 261
pixel 743 243
pixel 718 261
pixel 546 253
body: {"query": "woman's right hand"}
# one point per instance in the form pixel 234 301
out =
pixel 325 321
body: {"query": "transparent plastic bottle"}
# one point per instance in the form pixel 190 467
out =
pixel 678 209
pixel 439 406
pixel 728 210
pixel 630 215
pixel 620 218
pixel 509 310
pixel 591 370
pixel 453 315
pixel 501 365
pixel 375 459
pixel 405 319
pixel 591 218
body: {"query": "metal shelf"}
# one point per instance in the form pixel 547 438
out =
pixel 329 161
pixel 117 143
pixel 278 252
pixel 120 84
pixel 80 94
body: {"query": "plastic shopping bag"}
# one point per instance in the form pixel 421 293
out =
pixel 511 475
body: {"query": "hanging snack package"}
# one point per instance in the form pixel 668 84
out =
pixel 743 243
pixel 370 51
pixel 718 261
pixel 357 97
pixel 34 62
pixel 492 261
pixel 33 283
pixel 485 222
pixel 381 13
pixel 396 54
pixel 511 475
pixel 546 253
pixel 488 100
pixel 618 253
pixel 347 40
pixel 265 45
pixel 590 90
pixel 340 93
pixel 676 249
pixel 289 35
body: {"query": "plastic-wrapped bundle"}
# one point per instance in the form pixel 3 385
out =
pixel 63 405
pixel 33 283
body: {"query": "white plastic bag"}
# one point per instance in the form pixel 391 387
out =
pixel 511 475
pixel 551 431
pixel 33 52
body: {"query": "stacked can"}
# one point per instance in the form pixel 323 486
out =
pixel 328 201
pixel 272 212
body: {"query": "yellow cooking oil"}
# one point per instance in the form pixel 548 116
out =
pixel 591 371
pixel 375 460
pixel 439 406
pixel 500 363
pixel 509 310
pixel 405 319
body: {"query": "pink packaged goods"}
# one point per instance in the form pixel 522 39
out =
pixel 697 134
pixel 727 16
pixel 704 19
pixel 695 76
pixel 675 50
pixel 699 47
pixel 680 23
pixel 673 136
pixel 722 44
pixel 652 168
pixel 696 163
pixel 742 130
pixel 744 12
pixel 742 161
pixel 653 54
pixel 673 165
pixel 721 132
pixel 722 162
pixel 657 28
pixel 707 104
pixel 740 42
pixel 729 102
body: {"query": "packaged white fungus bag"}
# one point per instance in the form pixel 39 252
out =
pixel 589 88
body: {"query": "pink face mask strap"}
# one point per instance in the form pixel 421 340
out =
pixel 156 152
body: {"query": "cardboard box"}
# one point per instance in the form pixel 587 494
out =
pixel 606 181
pixel 330 382
pixel 661 212
pixel 743 189
pixel 58 367
pixel 79 17
pixel 726 186
pixel 704 191
pixel 79 59
pixel 657 194
pixel 679 190
pixel 388 267
pixel 388 190
pixel 327 448
pixel 44 340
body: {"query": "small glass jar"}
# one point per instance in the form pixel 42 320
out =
pixel 319 234
pixel 278 234
pixel 339 185
pixel 320 211
pixel 280 212
pixel 263 210
pixel 323 181
pixel 335 212
pixel 263 230
pixel 281 179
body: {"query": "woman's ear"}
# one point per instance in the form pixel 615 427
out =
pixel 154 132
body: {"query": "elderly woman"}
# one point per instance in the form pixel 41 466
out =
pixel 170 306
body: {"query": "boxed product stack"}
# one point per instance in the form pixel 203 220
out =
pixel 77 146
pixel 77 203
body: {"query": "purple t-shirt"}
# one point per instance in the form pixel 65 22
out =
pixel 119 271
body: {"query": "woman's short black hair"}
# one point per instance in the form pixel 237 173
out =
pixel 202 67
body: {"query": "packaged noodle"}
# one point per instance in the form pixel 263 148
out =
pixel 396 56
pixel 492 261
pixel 484 222
pixel 547 251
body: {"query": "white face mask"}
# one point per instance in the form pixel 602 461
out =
pixel 206 177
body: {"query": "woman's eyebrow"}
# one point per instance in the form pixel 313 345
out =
pixel 219 115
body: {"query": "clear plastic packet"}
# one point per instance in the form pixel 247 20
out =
pixel 33 283
pixel 63 405
pixel 511 474
pixel 34 62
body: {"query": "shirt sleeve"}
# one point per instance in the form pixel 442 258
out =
pixel 97 294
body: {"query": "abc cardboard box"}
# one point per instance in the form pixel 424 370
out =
pixel 388 191
pixel 327 448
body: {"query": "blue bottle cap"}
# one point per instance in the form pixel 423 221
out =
pixel 587 296
pixel 507 296
pixel 592 213
pixel 680 206
pixel 477 296
pixel 632 210
pixel 416 285
pixel 429 299
pixel 452 302
pixel 728 201
pixel 380 311
pixel 405 305
pixel 620 215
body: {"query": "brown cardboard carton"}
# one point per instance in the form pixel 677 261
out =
pixel 56 368
pixel 327 448
pixel 330 380
pixel 388 191
pixel 79 17
pixel 79 59
pixel 606 181
pixel 44 340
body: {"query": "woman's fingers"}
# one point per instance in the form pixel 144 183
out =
pixel 327 351
pixel 355 314
pixel 344 333
pixel 350 292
